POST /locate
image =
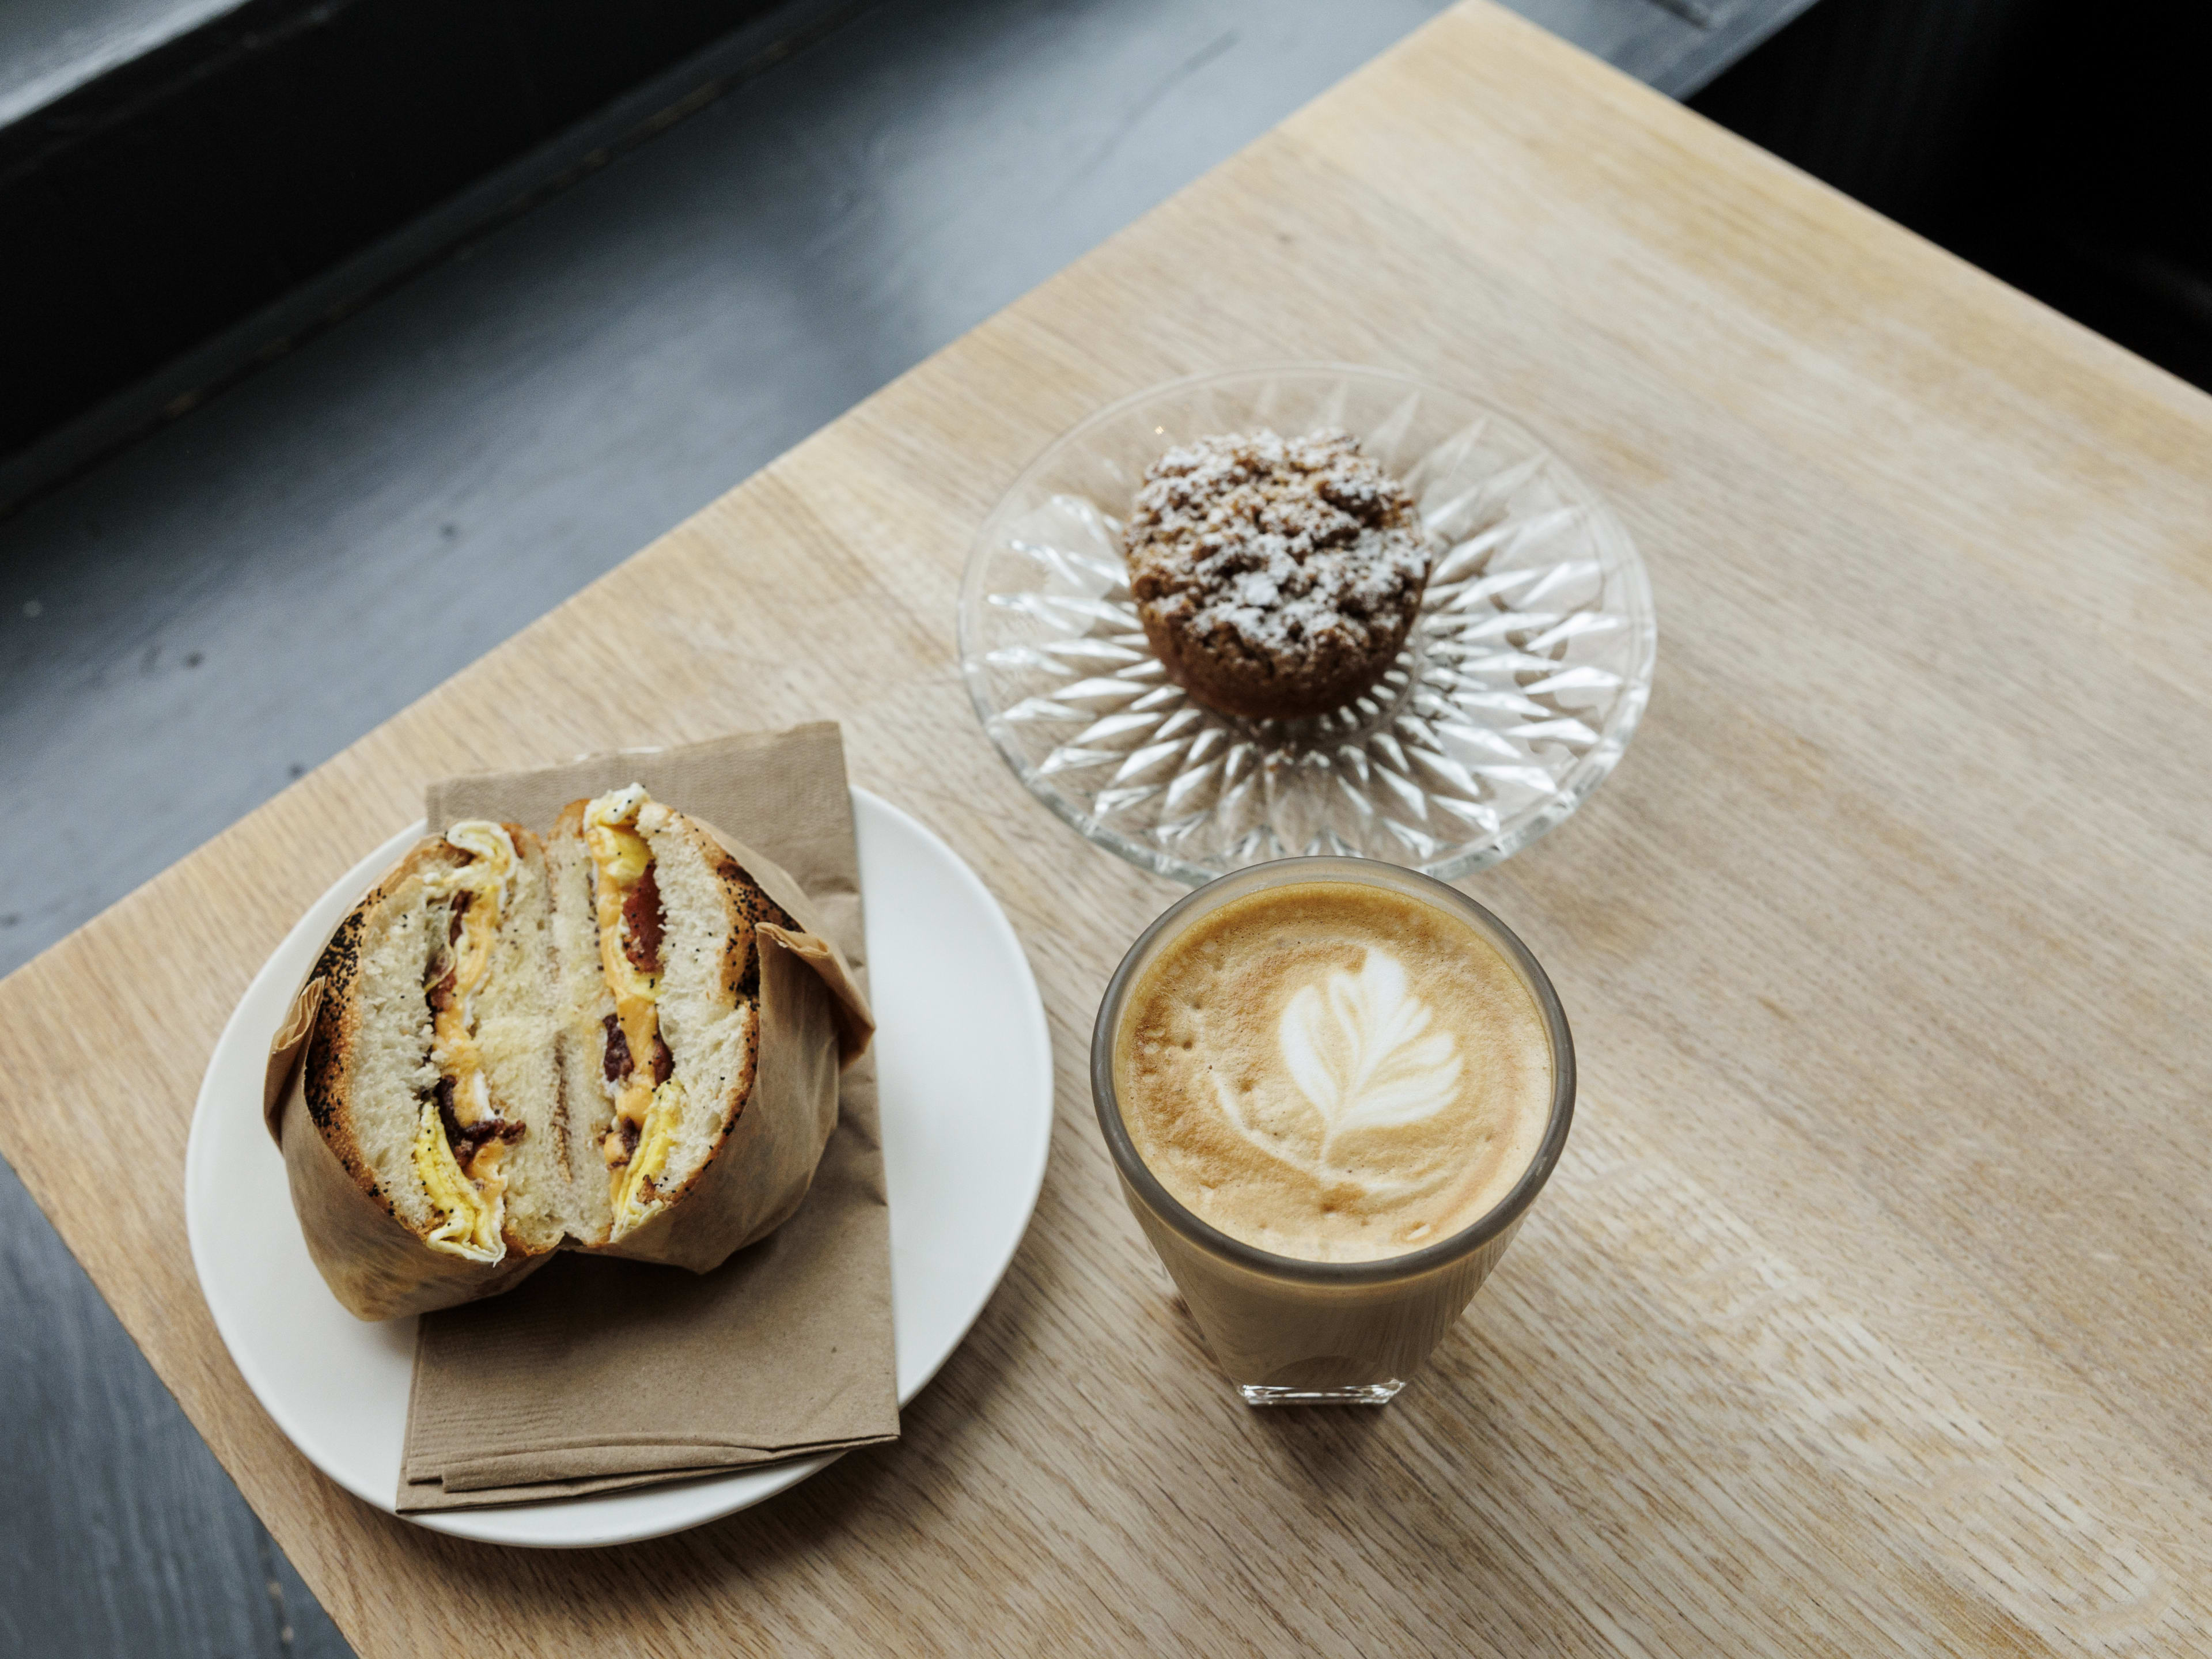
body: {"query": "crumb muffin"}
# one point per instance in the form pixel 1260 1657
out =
pixel 1277 578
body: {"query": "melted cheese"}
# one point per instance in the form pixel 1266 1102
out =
pixel 472 1200
pixel 621 857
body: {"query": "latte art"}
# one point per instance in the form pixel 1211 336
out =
pixel 1333 1071
pixel 1361 1050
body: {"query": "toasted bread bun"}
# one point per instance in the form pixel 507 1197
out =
pixel 704 1006
pixel 448 1119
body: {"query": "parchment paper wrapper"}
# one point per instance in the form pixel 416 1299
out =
pixel 598 1374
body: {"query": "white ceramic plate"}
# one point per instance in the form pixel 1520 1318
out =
pixel 965 1063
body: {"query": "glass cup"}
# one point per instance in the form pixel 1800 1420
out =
pixel 1291 1332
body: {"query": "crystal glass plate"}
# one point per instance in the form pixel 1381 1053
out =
pixel 1520 685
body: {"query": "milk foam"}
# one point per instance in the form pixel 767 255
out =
pixel 1333 1071
pixel 1360 1050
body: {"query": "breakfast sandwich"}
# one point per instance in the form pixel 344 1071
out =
pixel 626 1039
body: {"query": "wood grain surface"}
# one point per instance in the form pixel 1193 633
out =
pixel 1869 1310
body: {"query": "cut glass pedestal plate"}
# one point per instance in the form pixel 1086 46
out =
pixel 1518 689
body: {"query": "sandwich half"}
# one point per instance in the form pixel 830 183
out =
pixel 430 1079
pixel 658 952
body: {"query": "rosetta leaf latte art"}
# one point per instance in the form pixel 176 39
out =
pixel 1359 1049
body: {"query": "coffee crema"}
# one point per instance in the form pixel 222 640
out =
pixel 1333 1071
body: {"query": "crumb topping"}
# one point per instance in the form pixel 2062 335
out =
pixel 1280 545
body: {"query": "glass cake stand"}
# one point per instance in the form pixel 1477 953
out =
pixel 1518 689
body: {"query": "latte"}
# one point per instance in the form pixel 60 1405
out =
pixel 1333 1071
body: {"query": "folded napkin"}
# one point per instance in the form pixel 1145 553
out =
pixel 598 1373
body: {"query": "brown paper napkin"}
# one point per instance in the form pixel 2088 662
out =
pixel 596 1375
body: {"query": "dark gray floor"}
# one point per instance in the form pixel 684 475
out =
pixel 224 606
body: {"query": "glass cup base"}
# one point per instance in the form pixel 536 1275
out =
pixel 1364 1394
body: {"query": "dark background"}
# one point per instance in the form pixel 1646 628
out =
pixel 2059 147
pixel 169 198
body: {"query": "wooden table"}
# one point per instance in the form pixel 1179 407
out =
pixel 1868 1308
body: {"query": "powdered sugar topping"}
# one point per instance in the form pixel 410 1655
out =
pixel 1281 542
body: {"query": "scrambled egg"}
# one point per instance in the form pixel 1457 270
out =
pixel 634 1200
pixel 472 1199
pixel 471 1226
pixel 623 859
